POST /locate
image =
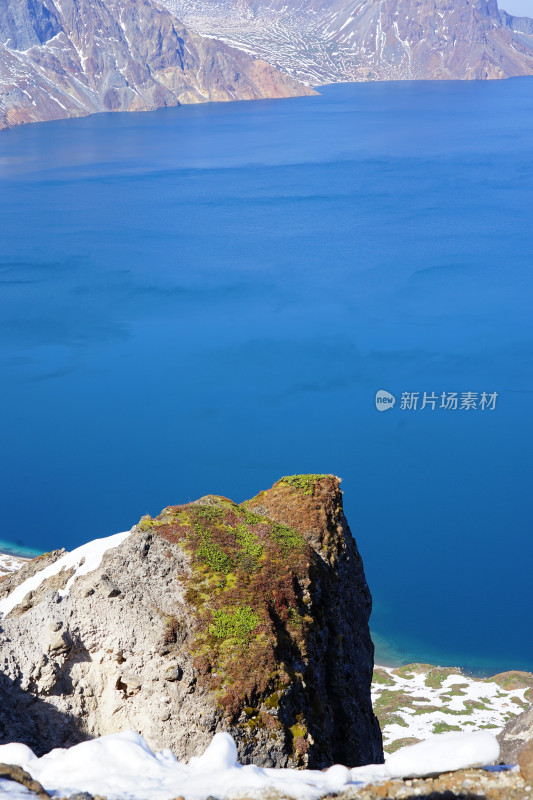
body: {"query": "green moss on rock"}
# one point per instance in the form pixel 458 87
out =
pixel 305 483
pixel 245 592
pixel 437 675
pixel 271 641
pixel 392 700
pixel 392 719
pixel 457 689
pixel 427 709
pixel 298 731
pixel 238 623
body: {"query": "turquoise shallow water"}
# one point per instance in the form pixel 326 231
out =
pixel 203 299
pixel 14 549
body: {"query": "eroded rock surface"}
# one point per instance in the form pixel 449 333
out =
pixel 249 618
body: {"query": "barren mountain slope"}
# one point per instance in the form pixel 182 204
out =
pixel 324 41
pixel 65 58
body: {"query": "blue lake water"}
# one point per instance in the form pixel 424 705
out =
pixel 203 299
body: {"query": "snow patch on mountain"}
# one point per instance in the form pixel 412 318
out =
pixel 418 700
pixel 329 41
pixel 9 563
pixel 83 560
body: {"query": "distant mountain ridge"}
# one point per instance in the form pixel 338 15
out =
pixel 65 58
pixel 325 41
pixel 77 57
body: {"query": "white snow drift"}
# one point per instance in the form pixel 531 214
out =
pixel 445 752
pixel 122 767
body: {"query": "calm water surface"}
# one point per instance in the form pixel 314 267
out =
pixel 206 298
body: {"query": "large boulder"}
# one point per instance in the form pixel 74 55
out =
pixel 212 616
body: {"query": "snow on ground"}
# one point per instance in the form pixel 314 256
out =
pixel 418 700
pixel 14 791
pixel 445 752
pixel 122 767
pixel 84 559
pixel 10 563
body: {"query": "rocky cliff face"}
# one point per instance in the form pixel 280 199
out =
pixel 324 41
pixel 213 616
pixel 77 57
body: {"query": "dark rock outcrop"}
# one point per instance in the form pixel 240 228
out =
pixel 79 57
pixel 249 618
pixel 341 600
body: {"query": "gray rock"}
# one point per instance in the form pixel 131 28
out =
pixel 226 620
pixel 173 673
pixel 515 736
pixel 81 796
pixel 108 588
